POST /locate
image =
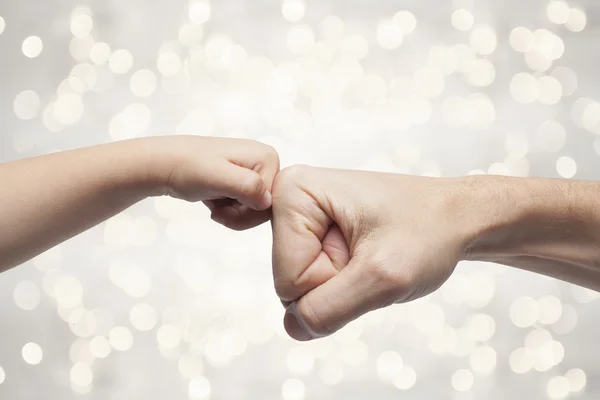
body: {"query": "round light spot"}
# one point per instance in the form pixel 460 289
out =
pixel 292 389
pixel 190 366
pixel 100 347
pixel 521 360
pixel 27 104
pixel 355 47
pixel 429 81
pixel 123 231
pixel 68 291
pixel 143 83
pixel 199 11
pixel 537 61
pixel 516 145
pixel 590 117
pixel 80 48
pixel 524 88
pixel 406 21
pixel 550 137
pixel 389 34
pixel 498 169
pixel 27 295
pixel 81 374
pixel 332 373
pixel 32 46
pixel 521 39
pixel 462 20
pixel 483 360
pixel 300 361
pixel 549 45
pixel 143 317
pixel 190 34
pixel 355 353
pixel 332 28
pixel 481 73
pixel 567 321
pixel 120 61
pixel 199 388
pixel 558 387
pixel 104 321
pixel 134 281
pixel 550 90
pixel 566 167
pixel 483 39
pixel 524 312
pixel 481 290
pixel 406 379
pixel 120 338
pixel 300 39
pixel 68 108
pixel 550 309
pixel 462 380
pixel 577 380
pixel 81 25
pixel 389 365
pixel 293 10
pixel 558 12
pixel 480 327
pixel 168 64
pixel 32 353
pixel 168 336
pixel 567 79
pixel 100 53
pixel 577 20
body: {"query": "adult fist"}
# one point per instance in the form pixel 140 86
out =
pixel 349 242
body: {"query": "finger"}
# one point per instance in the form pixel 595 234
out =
pixel 216 204
pixel 260 158
pixel 244 185
pixel 356 290
pixel 333 257
pixel 299 262
pixel 335 246
pixel 239 222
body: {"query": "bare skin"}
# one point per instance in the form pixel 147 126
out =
pixel 49 199
pixel 349 242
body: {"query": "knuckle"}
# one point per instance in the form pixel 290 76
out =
pixel 288 178
pixel 391 279
pixel 253 185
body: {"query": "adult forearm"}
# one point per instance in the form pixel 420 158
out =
pixel 48 199
pixel 548 226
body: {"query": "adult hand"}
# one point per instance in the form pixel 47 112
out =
pixel 349 242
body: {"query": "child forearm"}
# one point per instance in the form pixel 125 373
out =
pixel 48 199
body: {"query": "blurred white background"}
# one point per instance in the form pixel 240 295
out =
pixel 160 302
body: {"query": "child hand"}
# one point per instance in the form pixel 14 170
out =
pixel 233 177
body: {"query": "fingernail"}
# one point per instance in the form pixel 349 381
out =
pixel 293 325
pixel 266 199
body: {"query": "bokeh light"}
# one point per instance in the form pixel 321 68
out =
pixel 160 294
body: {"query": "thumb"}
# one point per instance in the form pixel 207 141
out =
pixel 362 286
pixel 246 186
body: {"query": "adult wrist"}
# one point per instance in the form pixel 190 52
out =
pixel 501 215
pixel 528 217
